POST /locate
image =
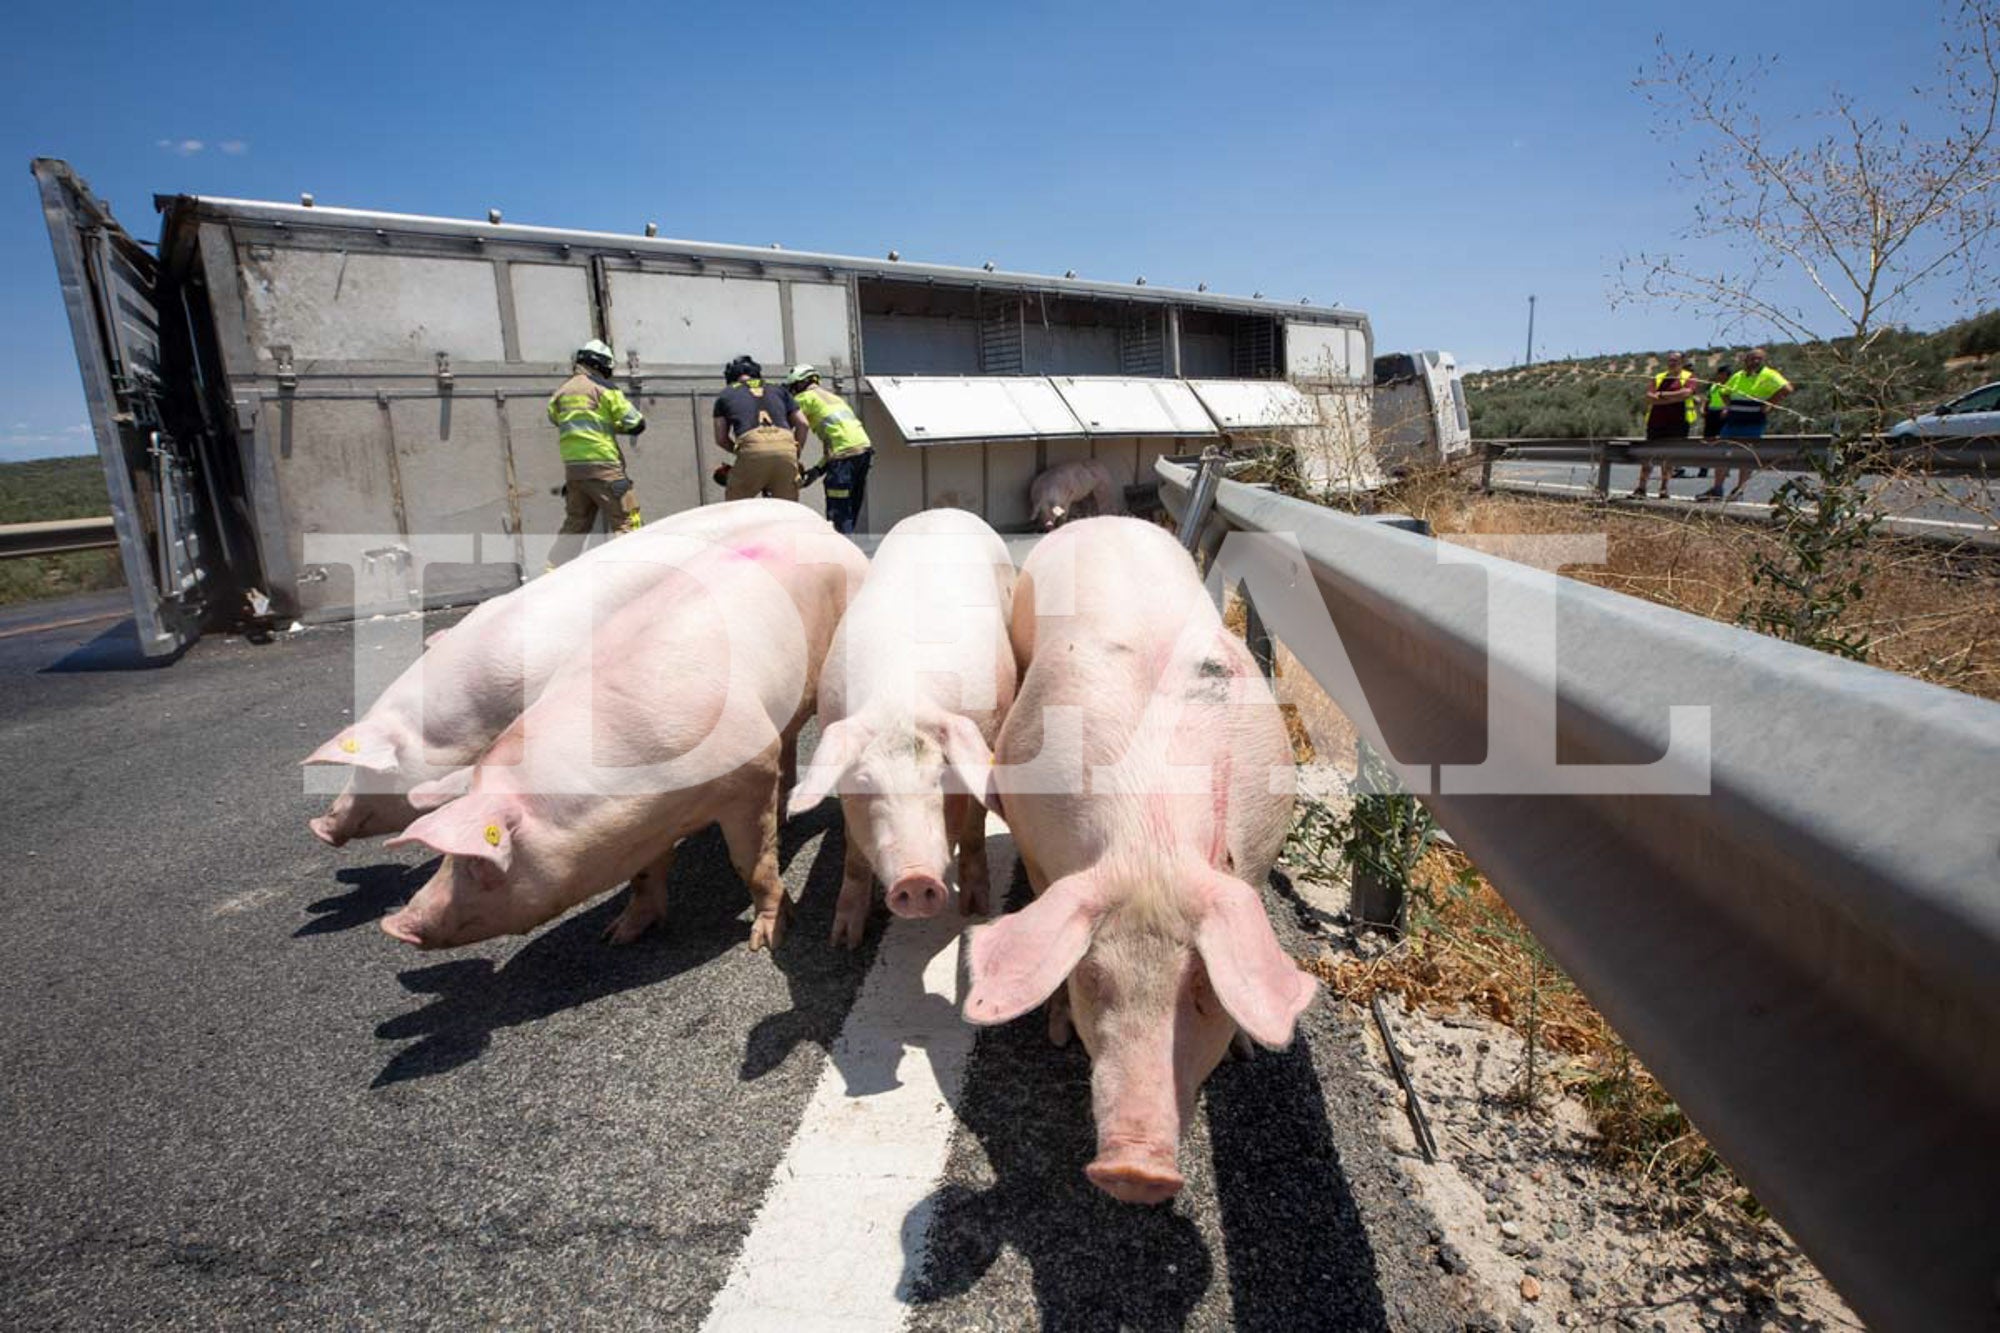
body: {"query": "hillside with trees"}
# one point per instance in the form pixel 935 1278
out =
pixel 1605 395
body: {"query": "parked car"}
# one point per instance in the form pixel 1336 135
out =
pixel 1975 413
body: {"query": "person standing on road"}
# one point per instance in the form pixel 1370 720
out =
pixel 847 451
pixel 589 415
pixel 1711 414
pixel 1747 396
pixel 1670 415
pixel 762 425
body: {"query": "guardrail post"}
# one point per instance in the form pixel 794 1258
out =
pixel 1493 451
pixel 1601 452
pixel 1375 901
pixel 1201 498
pixel 1255 636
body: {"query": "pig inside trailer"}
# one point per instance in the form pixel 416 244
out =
pixel 310 413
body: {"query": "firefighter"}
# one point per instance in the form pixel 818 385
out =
pixel 844 445
pixel 762 425
pixel 588 415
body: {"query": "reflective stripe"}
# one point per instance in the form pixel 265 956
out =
pixel 833 421
pixel 585 414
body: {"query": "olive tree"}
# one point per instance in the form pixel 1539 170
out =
pixel 1832 228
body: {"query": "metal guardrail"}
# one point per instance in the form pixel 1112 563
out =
pixel 19 540
pixel 1772 453
pixel 1807 957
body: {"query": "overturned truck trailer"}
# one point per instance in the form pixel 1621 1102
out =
pixel 277 376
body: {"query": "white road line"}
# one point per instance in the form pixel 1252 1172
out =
pixel 845 1216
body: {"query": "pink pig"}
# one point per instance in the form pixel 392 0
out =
pixel 678 717
pixel 916 684
pixel 1145 773
pixel 1071 490
pixel 441 713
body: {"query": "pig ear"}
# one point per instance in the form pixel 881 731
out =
pixel 839 745
pixel 1019 960
pixel 479 829
pixel 430 795
pixel 1257 982
pixel 968 761
pixel 362 745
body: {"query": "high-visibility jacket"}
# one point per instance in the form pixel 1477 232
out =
pixel 1716 402
pixel 1762 386
pixel 1693 408
pixel 586 413
pixel 833 421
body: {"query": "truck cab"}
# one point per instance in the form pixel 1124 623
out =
pixel 1418 411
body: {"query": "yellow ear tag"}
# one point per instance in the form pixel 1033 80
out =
pixel 492 835
pixel 348 745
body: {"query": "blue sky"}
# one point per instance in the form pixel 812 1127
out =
pixel 1430 170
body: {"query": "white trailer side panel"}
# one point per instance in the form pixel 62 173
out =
pixel 677 319
pixel 821 333
pixel 328 305
pixel 551 310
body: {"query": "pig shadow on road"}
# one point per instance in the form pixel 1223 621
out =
pixel 565 966
pixel 1299 1255
pixel 371 892
pixel 822 980
pixel 1095 1263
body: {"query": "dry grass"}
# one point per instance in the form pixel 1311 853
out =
pixel 1929 613
pixel 1467 950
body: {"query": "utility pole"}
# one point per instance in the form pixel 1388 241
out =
pixel 1531 331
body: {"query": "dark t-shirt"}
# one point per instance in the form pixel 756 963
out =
pixel 1669 421
pixel 739 406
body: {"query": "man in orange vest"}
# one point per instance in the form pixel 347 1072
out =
pixel 1671 412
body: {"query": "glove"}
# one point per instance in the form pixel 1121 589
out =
pixel 812 474
pixel 721 474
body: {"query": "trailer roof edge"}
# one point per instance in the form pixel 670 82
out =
pixel 320 215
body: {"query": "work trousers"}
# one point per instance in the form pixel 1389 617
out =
pixel 847 488
pixel 584 498
pixel 767 463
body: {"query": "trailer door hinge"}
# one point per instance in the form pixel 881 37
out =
pixel 288 377
pixel 632 369
pixel 444 370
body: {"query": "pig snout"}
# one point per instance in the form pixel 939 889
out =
pixel 1135 1170
pixel 362 815
pixel 423 925
pixel 441 915
pixel 328 829
pixel 918 895
pixel 405 926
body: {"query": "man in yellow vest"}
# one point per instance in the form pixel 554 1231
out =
pixel 844 445
pixel 1747 397
pixel 1671 412
pixel 763 427
pixel 588 415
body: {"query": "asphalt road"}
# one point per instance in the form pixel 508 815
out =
pixel 1942 500
pixel 231 1101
